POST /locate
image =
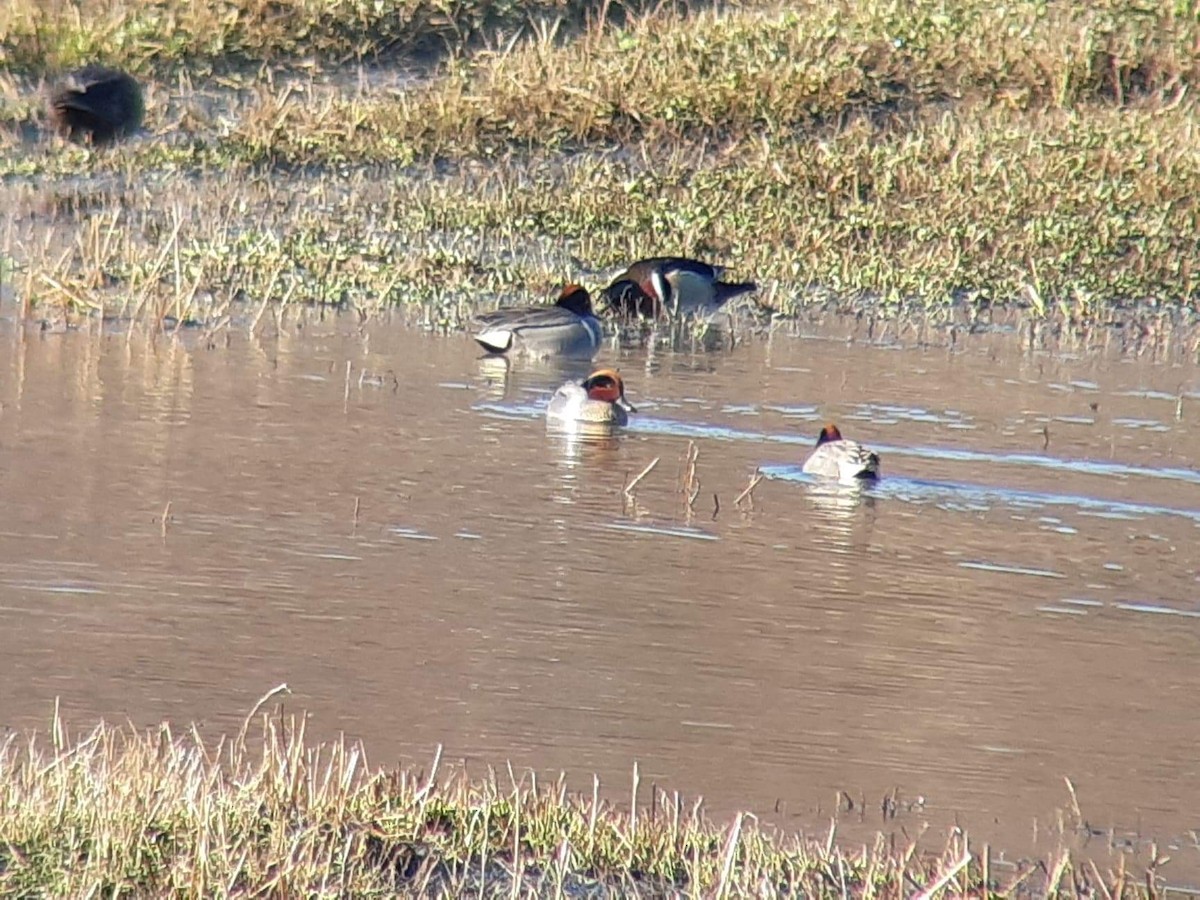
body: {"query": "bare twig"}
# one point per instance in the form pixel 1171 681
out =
pixel 1098 881
pixel 1074 799
pixel 633 802
pixel 1060 866
pixel 431 781
pixel 749 491
pixel 691 484
pixel 1020 879
pixel 638 478
pixel 735 832
pixel 278 689
pixel 946 878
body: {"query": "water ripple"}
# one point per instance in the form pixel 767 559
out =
pixel 1038 460
pixel 682 531
pixel 975 496
pixel 654 425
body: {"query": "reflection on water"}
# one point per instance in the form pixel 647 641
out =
pixel 423 561
pixel 584 445
pixel 843 517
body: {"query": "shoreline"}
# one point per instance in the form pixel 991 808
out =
pixel 159 810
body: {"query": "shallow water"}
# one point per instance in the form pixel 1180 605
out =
pixel 404 544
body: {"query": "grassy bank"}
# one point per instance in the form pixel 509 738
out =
pixel 906 155
pixel 119 812
pixel 219 35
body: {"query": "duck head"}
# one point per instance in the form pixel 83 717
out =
pixel 576 299
pixel 828 433
pixel 628 298
pixel 606 385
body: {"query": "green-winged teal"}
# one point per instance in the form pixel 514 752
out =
pixel 567 328
pixel 598 400
pixel 841 460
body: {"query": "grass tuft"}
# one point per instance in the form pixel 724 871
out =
pixel 155 812
pixel 218 35
pixel 899 157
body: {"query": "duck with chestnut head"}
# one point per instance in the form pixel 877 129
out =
pixel 598 400
pixel 838 459
pixel 569 327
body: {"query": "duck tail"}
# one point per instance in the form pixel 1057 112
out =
pixel 870 469
pixel 726 290
pixel 495 341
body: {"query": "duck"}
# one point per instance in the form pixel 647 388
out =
pixel 598 400
pixel 672 285
pixel 836 458
pixel 569 327
pixel 97 105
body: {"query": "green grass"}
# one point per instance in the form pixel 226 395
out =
pixel 897 156
pixel 120 812
pixel 216 35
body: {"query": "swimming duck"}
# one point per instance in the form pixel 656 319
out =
pixel 567 328
pixel 598 400
pixel 96 104
pixel 837 458
pixel 672 285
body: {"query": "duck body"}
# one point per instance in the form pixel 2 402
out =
pixel 598 400
pixel 838 459
pixel 97 104
pixel 672 286
pixel 567 328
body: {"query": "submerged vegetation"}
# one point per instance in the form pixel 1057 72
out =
pixel 122 812
pixel 898 156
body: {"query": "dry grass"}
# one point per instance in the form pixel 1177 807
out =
pixel 207 35
pixel 843 213
pixel 893 157
pixel 123 812
pixel 765 71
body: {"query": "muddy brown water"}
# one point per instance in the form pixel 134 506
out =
pixel 995 616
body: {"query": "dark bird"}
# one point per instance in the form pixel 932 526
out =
pixel 673 286
pixel 96 105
